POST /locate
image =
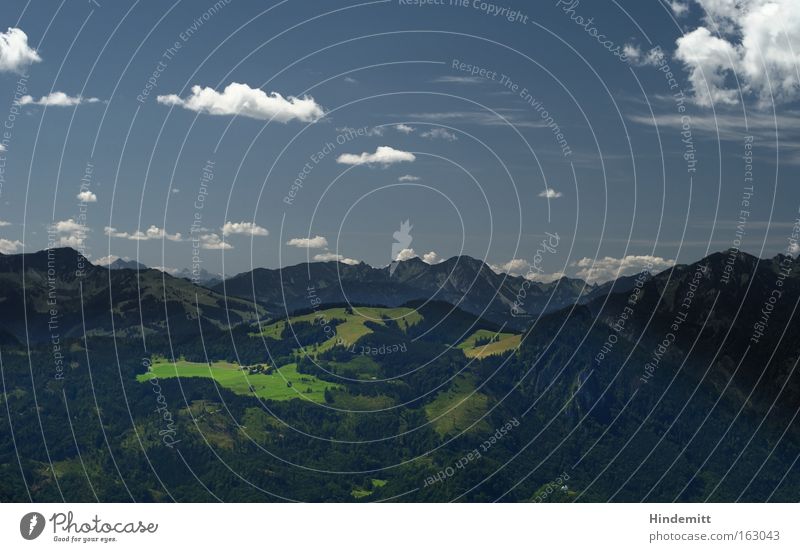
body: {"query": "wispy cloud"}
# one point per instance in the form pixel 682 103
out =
pixel 439 134
pixel 57 99
pixel 505 116
pixel 456 79
pixel 152 233
pixel 317 242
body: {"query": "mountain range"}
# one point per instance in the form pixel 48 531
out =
pixel 680 385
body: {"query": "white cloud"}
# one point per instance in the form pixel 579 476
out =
pixel 708 59
pixel 240 99
pixel 679 8
pixel 69 233
pixel 609 268
pixel 514 267
pixel 323 257
pixel 456 79
pixel 15 54
pixel 107 260
pixel 175 190
pixel 405 254
pixel 384 155
pixel 4 223
pixel 440 134
pixel 8 247
pixel 350 80
pixel 247 228
pixel 654 57
pixel 409 178
pixel 545 278
pixel 57 99
pixel 404 128
pixel 521 267
pixel 520 118
pixel 317 242
pixel 550 193
pixel 152 233
pixel 3 147
pixel 760 40
pixel 213 241
pixel 87 197
pixel 432 257
pixel 351 132
pixel 794 248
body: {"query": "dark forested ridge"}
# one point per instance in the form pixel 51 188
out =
pixel 676 386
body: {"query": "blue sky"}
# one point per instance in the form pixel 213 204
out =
pixel 486 125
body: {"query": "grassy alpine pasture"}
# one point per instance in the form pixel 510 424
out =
pixel 354 326
pixel 458 407
pixel 275 386
pixel 502 342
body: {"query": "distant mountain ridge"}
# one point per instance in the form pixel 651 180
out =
pixel 463 281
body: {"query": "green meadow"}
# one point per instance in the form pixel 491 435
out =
pixel 354 326
pixel 504 342
pixel 283 384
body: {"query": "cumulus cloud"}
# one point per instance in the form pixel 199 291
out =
pixel 240 99
pixel 152 233
pixel 432 257
pixel 439 134
pixel 409 178
pixel 246 228
pixel 405 254
pixel 759 42
pixel 57 99
pixel 107 260
pixel 213 241
pixel 4 223
pixel 317 242
pixel 404 128
pixel 69 233
pixel 708 59
pixel 87 197
pixel 384 155
pixel 609 268
pixel 550 193
pixel 8 247
pixel 15 54
pixel 3 147
pixel 323 257
pixel 514 267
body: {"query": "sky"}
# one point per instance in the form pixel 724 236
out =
pixel 590 139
